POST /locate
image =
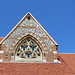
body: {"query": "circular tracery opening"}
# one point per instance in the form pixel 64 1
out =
pixel 28 49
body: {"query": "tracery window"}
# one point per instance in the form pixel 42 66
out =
pixel 28 49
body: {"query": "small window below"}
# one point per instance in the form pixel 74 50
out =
pixel 28 16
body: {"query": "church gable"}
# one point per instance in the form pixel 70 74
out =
pixel 28 27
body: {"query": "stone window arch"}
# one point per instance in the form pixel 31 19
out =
pixel 28 50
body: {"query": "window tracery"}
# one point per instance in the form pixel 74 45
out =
pixel 28 49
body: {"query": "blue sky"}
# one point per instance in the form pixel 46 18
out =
pixel 56 16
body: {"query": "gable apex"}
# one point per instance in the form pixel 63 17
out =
pixel 27 15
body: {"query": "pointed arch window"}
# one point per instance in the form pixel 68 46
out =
pixel 28 49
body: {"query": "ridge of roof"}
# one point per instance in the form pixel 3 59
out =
pixel 36 22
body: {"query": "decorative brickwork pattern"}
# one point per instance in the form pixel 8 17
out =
pixel 21 38
pixel 29 26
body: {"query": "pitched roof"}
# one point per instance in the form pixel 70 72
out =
pixel 36 22
pixel 36 68
pixel 69 58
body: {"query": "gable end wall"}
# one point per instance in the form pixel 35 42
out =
pixel 30 26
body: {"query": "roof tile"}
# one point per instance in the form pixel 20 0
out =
pixel 1 38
